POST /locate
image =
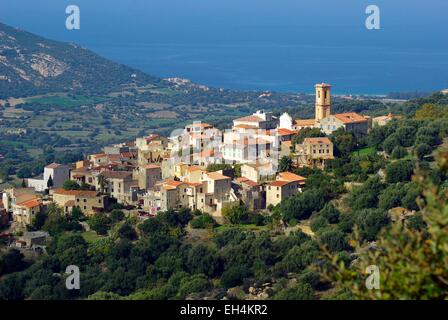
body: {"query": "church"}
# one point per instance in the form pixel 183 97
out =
pixel 324 120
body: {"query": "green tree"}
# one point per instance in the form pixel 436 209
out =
pixel 299 291
pixel 193 284
pixel 203 221
pixel 50 182
pixel 234 276
pixel 391 142
pixel 399 171
pixel 398 152
pixel 100 223
pixel 235 213
pixel 116 215
pixel 39 220
pixel 71 185
pixel 370 222
pixel 102 182
pixel 422 150
pixel 391 196
pixel 12 261
pixel 285 164
pixel 404 252
pixel 301 205
pixel 335 240
pixel 127 231
pixel 202 259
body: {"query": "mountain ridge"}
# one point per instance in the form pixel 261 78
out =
pixel 31 65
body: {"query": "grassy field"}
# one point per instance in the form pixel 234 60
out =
pixel 245 227
pixel 364 151
pixel 92 237
pixel 62 100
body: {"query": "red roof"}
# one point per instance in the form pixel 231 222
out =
pixel 350 117
pixel 217 176
pixel 99 155
pixel 291 177
pixel 76 193
pixel 247 181
pixel 152 166
pixel 305 122
pixel 200 124
pixel 320 140
pixel 286 132
pixel 151 137
pixel 279 183
pixel 249 119
pixel 32 203
pixel 194 168
pixel 173 183
pixel 53 165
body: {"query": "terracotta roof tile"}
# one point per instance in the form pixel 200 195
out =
pixel 350 117
pixel 279 183
pixel 305 122
pixel 77 193
pixel 250 119
pixel 286 132
pixel 291 177
pixel 321 140
pixel 32 203
pixel 53 165
pixel 217 176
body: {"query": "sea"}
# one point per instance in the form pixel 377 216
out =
pixel 271 45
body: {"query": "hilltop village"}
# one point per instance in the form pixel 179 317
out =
pixel 198 167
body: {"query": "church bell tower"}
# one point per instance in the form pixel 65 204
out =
pixel 322 101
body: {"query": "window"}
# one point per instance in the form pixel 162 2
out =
pixel 85 200
pixel 278 196
pixel 85 208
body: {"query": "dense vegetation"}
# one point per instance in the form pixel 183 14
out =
pixel 347 206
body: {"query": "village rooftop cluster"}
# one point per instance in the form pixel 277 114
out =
pixel 155 173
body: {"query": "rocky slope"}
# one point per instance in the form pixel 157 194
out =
pixel 31 65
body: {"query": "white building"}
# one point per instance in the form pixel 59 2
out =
pixel 286 121
pixel 59 174
pixel 258 120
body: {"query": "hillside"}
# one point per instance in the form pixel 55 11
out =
pixel 57 96
pixel 31 65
